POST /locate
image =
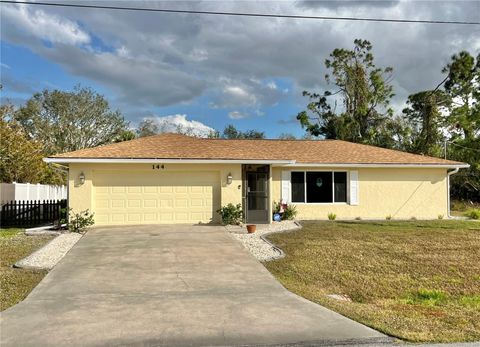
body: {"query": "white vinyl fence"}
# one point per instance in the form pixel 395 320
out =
pixel 31 192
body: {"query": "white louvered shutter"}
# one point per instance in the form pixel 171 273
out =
pixel 354 197
pixel 286 176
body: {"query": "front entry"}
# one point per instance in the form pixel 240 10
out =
pixel 256 196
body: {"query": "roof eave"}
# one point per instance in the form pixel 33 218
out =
pixel 384 165
pixel 282 163
pixel 64 160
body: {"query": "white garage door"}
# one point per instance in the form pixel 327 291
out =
pixel 124 197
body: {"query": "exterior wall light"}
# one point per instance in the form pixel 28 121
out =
pixel 81 178
pixel 229 179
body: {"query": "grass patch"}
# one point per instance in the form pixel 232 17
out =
pixel 15 284
pixel 427 297
pixel 9 232
pixel 417 280
pixel 460 207
pixel 473 213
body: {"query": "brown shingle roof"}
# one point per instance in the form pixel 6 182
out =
pixel 174 146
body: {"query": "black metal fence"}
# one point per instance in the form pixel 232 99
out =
pixel 32 213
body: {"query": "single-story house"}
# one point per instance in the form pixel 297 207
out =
pixel 173 178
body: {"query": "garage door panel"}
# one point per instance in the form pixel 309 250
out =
pixel 166 189
pixel 118 203
pixel 166 197
pixel 149 190
pixel 137 190
pixel 118 218
pixel 166 203
pixel 134 217
pixel 137 203
pixel 150 203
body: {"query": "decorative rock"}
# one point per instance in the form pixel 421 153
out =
pixel 49 255
pixel 257 244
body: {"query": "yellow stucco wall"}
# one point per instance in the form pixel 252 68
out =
pixel 402 193
pixel 82 196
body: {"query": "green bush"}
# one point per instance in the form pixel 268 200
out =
pixel 289 213
pixel 332 216
pixel 389 217
pixel 440 216
pixel 231 214
pixel 473 213
pixel 78 222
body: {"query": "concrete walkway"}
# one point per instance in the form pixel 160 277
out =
pixel 168 286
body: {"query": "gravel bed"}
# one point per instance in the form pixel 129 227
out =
pixel 49 255
pixel 256 243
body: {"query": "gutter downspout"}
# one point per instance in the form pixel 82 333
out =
pixel 450 173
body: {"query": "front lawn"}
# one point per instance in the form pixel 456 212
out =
pixel 416 280
pixel 15 284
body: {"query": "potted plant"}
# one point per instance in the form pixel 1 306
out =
pixel 251 228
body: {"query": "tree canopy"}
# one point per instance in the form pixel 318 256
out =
pixel 66 121
pixel 362 88
pixel 21 159
pixel 230 132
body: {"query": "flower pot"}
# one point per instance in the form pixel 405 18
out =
pixel 251 228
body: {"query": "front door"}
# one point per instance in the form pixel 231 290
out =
pixel 256 177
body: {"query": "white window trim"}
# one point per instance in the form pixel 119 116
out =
pixel 333 188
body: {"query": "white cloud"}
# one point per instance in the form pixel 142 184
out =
pixel 272 85
pixel 239 95
pixel 238 115
pixel 179 123
pixel 245 93
pixel 5 66
pixel 45 26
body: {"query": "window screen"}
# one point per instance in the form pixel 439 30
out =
pixel 319 187
pixel 340 180
pixel 298 186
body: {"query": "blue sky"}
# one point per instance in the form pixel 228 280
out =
pixel 218 71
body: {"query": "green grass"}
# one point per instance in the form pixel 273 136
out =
pixel 473 213
pixel 10 232
pixel 459 208
pixel 15 284
pixel 416 280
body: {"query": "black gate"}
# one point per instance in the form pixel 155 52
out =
pixel 32 213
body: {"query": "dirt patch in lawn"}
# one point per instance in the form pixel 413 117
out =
pixel 16 284
pixel 416 280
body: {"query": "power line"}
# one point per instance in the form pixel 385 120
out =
pixel 240 14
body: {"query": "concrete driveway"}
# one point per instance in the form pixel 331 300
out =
pixel 168 286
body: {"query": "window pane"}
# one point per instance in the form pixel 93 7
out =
pixel 319 187
pixel 298 187
pixel 340 186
